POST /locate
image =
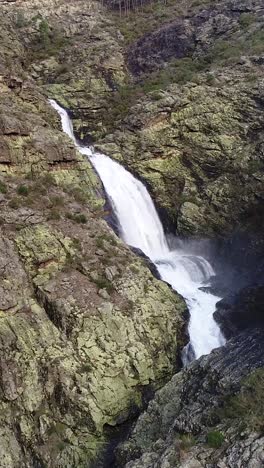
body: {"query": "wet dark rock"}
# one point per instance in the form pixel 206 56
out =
pixel 241 311
pixel 152 267
pixel 189 404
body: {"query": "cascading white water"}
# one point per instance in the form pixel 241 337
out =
pixel 141 228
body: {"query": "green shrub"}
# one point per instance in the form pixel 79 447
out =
pixel 44 33
pixel 61 445
pixel 47 42
pixel 246 19
pixel 251 77
pixel 223 51
pixel 210 79
pixel 135 269
pixel 187 441
pixel 3 187
pixel 76 244
pixel 255 166
pixel 20 20
pixel 54 214
pixel 104 283
pixel 85 368
pixel 79 195
pixel 105 238
pixel 248 405
pixel 57 201
pixel 63 68
pixel 23 190
pixel 99 243
pixel 77 217
pixel 178 71
pixel 215 439
pixel 47 180
pixel 255 42
pixel 80 218
pixel 14 203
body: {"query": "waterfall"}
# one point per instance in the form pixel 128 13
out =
pixel 141 227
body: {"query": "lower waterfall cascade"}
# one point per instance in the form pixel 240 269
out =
pixel 141 227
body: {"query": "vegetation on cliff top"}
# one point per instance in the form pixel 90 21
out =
pixel 142 17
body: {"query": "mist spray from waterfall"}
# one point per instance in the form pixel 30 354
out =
pixel 141 227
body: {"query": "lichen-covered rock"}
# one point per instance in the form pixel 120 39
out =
pixel 201 155
pixel 84 326
pixel 31 146
pixel 74 50
pixel 200 143
pixel 180 422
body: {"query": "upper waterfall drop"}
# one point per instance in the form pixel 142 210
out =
pixel 66 122
pixel 141 227
pixel 131 202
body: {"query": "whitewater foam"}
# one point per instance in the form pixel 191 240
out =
pixel 141 227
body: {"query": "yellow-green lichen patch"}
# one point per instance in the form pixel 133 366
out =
pixel 44 251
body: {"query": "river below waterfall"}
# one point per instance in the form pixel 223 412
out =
pixel 141 227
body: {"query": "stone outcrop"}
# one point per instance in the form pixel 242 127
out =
pixel 241 311
pixel 195 33
pixel 239 263
pixel 198 146
pixel 85 328
pixel 199 150
pixel 74 51
pixel 84 324
pixel 177 427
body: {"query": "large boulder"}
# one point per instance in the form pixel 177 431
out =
pixel 241 311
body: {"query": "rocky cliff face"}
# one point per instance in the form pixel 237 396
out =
pixel 197 143
pixel 192 423
pixel 75 52
pixel 84 326
pixel 197 32
pixel 241 311
pixel 199 149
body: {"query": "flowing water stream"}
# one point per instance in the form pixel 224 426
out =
pixel 141 227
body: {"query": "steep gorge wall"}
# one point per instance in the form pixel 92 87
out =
pixel 84 326
pixel 71 285
pixel 195 420
pixel 197 143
